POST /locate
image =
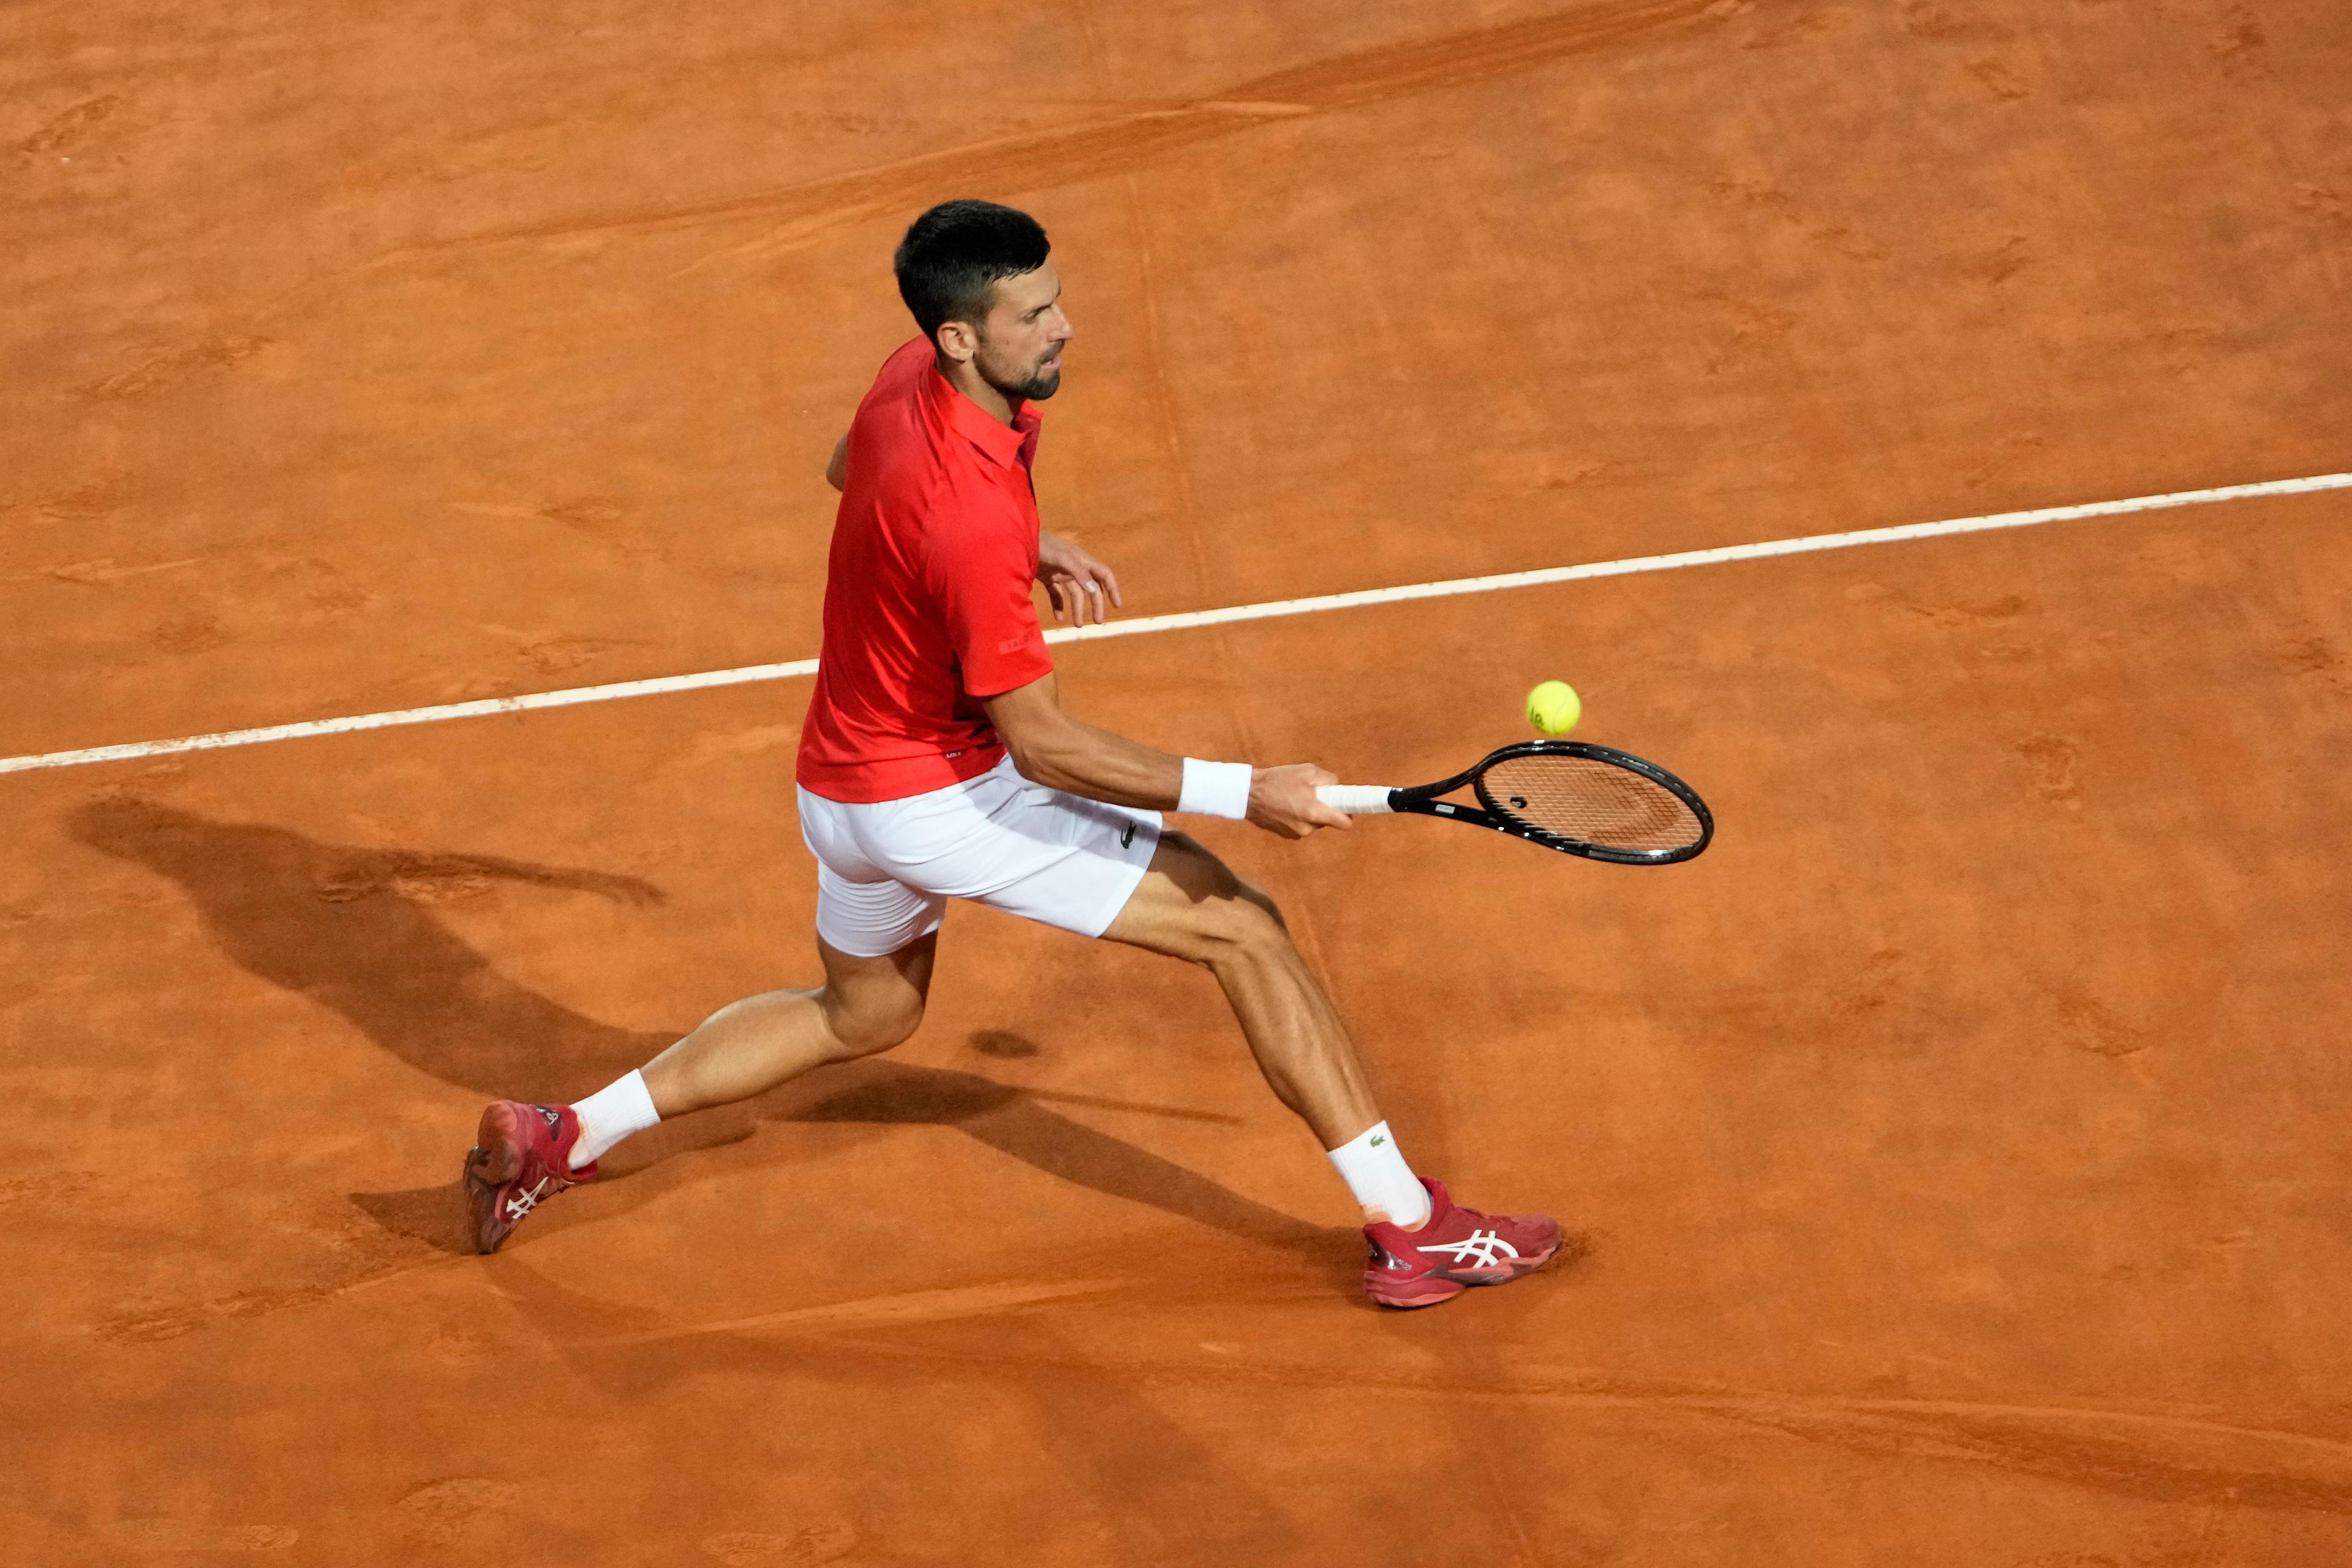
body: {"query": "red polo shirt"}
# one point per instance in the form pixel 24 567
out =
pixel 926 606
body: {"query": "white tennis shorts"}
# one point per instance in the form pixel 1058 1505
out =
pixel 885 871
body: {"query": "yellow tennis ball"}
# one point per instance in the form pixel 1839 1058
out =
pixel 1553 708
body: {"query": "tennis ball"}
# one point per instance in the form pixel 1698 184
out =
pixel 1553 708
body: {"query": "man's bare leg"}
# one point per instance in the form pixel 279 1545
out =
pixel 525 1153
pixel 866 1005
pixel 1189 906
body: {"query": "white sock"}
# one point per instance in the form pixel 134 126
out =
pixel 1381 1179
pixel 611 1113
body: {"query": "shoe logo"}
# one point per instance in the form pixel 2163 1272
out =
pixel 1127 838
pixel 522 1203
pixel 553 1118
pixel 1480 1249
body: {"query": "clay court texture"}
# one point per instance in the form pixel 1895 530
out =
pixel 1954 1155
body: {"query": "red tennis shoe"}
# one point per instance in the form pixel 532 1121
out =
pixel 1456 1248
pixel 522 1157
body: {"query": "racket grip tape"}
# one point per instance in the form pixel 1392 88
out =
pixel 1356 800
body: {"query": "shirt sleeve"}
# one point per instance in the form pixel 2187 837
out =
pixel 980 571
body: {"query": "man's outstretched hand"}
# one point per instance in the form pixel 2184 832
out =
pixel 1283 800
pixel 1083 589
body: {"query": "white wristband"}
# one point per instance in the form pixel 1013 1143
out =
pixel 1216 789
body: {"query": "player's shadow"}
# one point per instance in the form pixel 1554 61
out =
pixel 357 930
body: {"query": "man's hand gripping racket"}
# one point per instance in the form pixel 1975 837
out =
pixel 1569 796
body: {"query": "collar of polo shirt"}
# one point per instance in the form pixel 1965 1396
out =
pixel 1003 445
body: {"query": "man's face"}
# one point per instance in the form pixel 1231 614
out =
pixel 1020 350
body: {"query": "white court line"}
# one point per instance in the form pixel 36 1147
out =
pixel 668 683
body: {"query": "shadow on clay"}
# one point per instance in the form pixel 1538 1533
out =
pixel 355 930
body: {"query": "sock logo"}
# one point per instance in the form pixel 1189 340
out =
pixel 1479 1250
pixel 1377 1141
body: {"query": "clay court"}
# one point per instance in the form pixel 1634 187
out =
pixel 1954 1155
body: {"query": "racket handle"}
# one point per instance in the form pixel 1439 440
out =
pixel 1356 800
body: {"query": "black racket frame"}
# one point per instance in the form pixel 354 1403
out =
pixel 1422 799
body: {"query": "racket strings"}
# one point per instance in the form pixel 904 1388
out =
pixel 1592 802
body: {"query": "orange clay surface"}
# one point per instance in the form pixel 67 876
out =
pixel 1956 1155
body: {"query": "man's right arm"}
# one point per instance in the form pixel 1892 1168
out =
pixel 1050 748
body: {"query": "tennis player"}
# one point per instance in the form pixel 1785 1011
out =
pixel 937 763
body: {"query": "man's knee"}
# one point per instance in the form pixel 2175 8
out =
pixel 1248 922
pixel 1233 915
pixel 872 1026
pixel 1263 901
pixel 872 1004
pixel 1194 908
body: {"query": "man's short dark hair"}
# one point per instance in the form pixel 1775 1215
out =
pixel 953 254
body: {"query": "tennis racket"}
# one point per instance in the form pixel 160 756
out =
pixel 1580 799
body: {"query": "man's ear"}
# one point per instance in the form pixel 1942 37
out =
pixel 957 341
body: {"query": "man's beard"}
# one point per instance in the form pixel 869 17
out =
pixel 1036 385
